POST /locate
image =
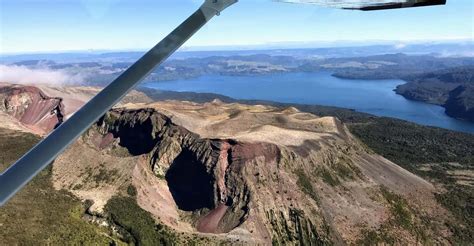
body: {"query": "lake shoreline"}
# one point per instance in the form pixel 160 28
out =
pixel 376 97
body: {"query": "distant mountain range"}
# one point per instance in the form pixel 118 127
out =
pixel 429 69
pixel 202 173
pixel 464 48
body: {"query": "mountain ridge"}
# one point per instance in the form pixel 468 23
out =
pixel 216 174
pixel 322 182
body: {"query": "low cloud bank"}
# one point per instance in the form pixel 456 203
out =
pixel 24 75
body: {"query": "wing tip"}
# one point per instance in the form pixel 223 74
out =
pixel 423 3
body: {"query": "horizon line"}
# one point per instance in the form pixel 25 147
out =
pixel 262 46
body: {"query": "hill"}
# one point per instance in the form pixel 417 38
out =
pixel 452 88
pixel 204 172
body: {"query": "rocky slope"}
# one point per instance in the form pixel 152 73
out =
pixel 249 174
pixel 41 108
pixel 30 106
pixel 255 174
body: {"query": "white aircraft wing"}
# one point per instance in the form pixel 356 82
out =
pixel 369 4
pixel 44 153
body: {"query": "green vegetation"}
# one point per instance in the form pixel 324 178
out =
pixel 401 213
pixel 14 144
pixel 103 175
pixel 409 144
pixel 126 213
pixel 132 191
pixel 139 227
pixel 336 171
pixel 453 88
pixel 402 142
pixel 305 183
pixel 402 216
pixel 342 169
pixel 42 210
pixel 39 214
pixel 295 229
pixel 327 176
pixel 460 202
pixel 344 172
pixel 457 199
pixel 376 238
pixel 346 169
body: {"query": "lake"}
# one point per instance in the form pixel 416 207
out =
pixel 370 96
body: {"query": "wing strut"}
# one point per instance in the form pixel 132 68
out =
pixel 44 153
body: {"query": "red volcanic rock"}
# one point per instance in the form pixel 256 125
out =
pixel 233 156
pixel 210 222
pixel 32 107
pixel 106 140
pixel 203 174
pixel 102 141
pixel 326 188
pixel 222 165
pixel 244 152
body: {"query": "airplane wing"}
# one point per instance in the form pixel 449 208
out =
pixel 368 5
pixel 44 153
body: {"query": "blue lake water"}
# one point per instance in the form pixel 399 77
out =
pixel 370 96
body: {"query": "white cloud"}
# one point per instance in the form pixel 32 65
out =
pixel 400 46
pixel 24 75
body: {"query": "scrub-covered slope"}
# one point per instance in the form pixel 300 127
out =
pixel 257 174
pixel 173 171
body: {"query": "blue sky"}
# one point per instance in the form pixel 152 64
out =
pixel 60 25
